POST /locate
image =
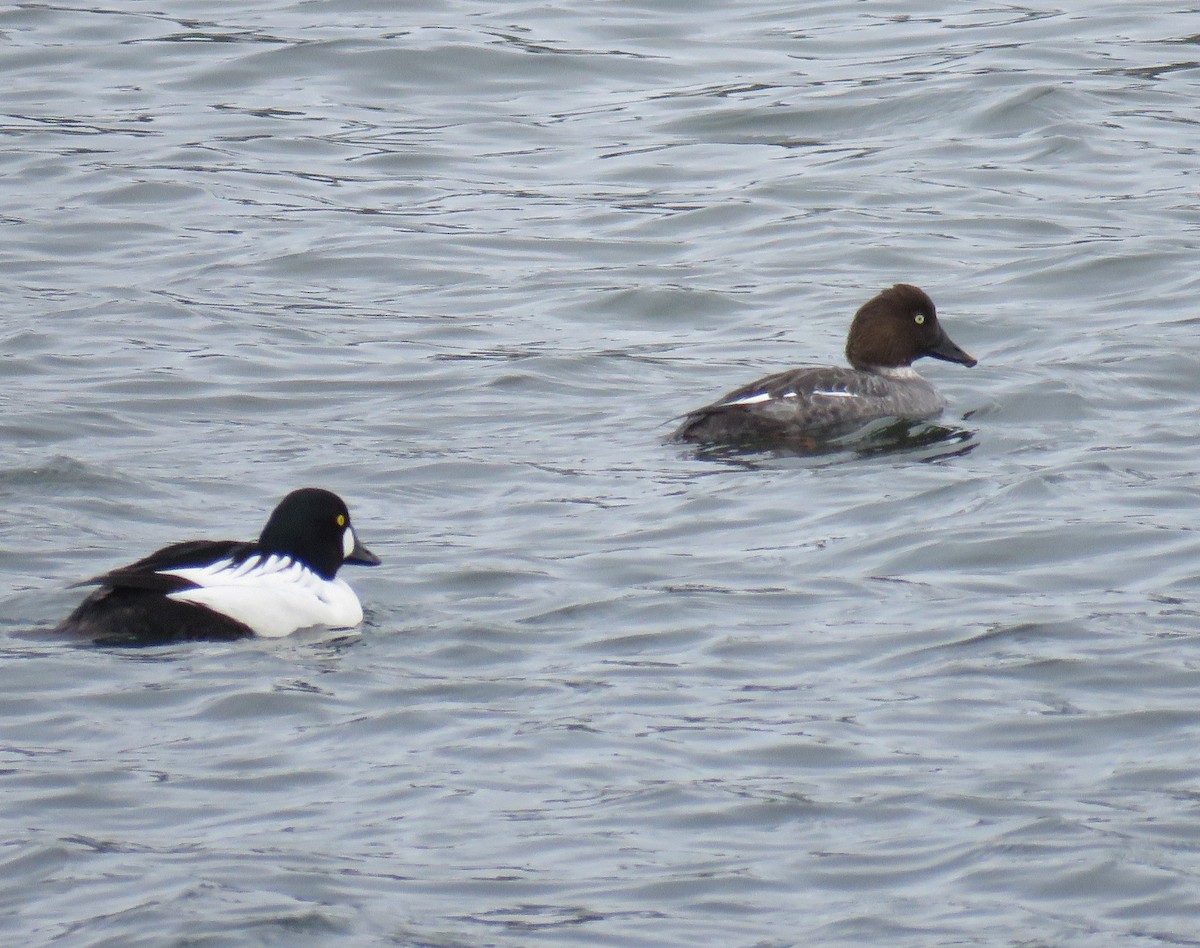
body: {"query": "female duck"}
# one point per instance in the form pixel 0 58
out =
pixel 888 334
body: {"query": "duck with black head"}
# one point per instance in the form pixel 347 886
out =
pixel 230 589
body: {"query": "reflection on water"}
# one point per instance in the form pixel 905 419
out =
pixel 928 440
pixel 942 441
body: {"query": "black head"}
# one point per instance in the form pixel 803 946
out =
pixel 898 327
pixel 313 525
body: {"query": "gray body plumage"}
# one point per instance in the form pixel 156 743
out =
pixel 889 332
pixel 820 402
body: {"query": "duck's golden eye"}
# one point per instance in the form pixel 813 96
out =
pixel 920 317
pixel 341 520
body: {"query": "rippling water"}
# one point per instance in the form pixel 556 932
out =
pixel 463 264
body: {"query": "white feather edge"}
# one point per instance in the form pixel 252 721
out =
pixel 759 397
pixel 755 399
pixel 273 597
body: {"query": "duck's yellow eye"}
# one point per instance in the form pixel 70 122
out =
pixel 920 319
pixel 341 520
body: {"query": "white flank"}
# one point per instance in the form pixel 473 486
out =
pixel 750 399
pixel 274 597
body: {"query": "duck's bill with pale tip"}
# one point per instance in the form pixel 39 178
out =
pixel 948 351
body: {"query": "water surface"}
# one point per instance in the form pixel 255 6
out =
pixel 463 265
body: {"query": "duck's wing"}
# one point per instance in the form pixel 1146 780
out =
pixel 812 385
pixel 152 572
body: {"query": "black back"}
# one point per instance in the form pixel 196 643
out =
pixel 144 574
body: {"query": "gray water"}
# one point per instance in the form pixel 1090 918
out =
pixel 462 264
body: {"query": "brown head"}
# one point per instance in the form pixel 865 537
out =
pixel 898 327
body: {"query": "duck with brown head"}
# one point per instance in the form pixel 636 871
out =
pixel 889 333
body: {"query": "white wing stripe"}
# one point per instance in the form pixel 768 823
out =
pixel 759 397
pixel 750 399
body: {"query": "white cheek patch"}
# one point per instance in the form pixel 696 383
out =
pixel 348 542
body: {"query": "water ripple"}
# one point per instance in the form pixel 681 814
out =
pixel 463 265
